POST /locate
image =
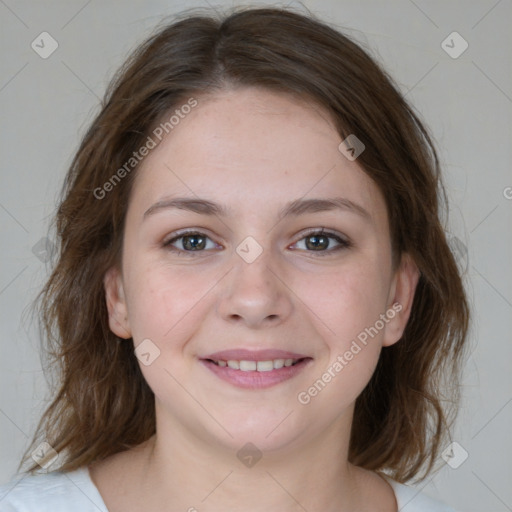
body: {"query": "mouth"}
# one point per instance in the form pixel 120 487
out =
pixel 256 370
pixel 244 365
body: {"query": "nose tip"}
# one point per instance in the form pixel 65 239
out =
pixel 254 294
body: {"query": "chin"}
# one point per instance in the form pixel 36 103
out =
pixel 266 431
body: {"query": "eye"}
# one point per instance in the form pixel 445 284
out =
pixel 319 241
pixel 188 242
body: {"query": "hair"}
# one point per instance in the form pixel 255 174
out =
pixel 102 404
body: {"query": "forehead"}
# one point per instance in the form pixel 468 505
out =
pixel 253 147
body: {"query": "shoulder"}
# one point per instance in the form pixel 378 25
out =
pixel 410 499
pixel 55 492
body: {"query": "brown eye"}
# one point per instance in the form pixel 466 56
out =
pixel 323 242
pixel 189 242
pixel 317 242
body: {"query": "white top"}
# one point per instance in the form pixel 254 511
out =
pixel 62 492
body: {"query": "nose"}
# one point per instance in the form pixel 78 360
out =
pixel 255 294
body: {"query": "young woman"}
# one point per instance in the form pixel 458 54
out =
pixel 254 306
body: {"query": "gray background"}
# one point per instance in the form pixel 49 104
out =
pixel 46 105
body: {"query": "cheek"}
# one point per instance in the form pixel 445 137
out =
pixel 345 301
pixel 340 383
pixel 165 303
pixel 351 306
pixel 168 306
pixel 347 307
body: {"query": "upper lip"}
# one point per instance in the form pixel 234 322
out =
pixel 253 355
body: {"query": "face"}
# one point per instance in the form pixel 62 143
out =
pixel 277 252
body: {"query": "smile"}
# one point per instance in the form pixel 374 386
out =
pixel 258 366
pixel 255 370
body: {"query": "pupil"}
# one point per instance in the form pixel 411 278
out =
pixel 321 242
pixel 194 242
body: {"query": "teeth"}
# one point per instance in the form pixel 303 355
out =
pixel 260 366
pixel 248 366
pixel 265 366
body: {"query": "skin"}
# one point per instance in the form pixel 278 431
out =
pixel 252 151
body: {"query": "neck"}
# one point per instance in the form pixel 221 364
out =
pixel 192 474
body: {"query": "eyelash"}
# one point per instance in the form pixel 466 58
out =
pixel 343 243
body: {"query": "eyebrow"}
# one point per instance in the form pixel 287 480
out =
pixel 294 208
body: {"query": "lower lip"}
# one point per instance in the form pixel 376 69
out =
pixel 254 379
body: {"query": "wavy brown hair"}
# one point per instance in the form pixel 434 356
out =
pixel 102 404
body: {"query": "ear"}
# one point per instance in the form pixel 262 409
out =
pixel 400 299
pixel 116 303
